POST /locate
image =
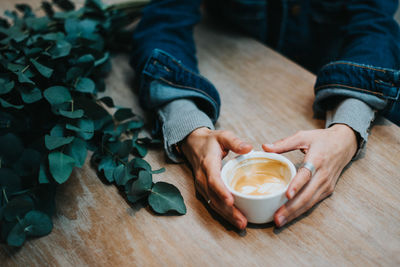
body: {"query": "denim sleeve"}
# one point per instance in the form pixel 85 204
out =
pixel 368 65
pixel 167 25
pixel 164 54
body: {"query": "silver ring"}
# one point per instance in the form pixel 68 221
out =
pixel 209 201
pixel 309 166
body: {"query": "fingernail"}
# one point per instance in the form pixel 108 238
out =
pixel 269 145
pixel 243 145
pixel 291 193
pixel 281 221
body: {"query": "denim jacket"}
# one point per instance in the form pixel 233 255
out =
pixel 352 45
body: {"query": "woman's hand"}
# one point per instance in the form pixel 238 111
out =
pixel 205 149
pixel 329 150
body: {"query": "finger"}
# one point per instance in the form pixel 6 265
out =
pixel 229 213
pixel 230 141
pixel 298 205
pixel 296 141
pixel 212 169
pixel 302 177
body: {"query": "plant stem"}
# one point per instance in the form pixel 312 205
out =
pixel 5 195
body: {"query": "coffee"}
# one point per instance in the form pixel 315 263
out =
pixel 260 176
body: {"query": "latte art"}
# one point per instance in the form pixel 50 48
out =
pixel 260 177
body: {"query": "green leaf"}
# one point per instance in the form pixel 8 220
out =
pixel 43 177
pixel 11 148
pixel 17 235
pixel 18 207
pixel 84 128
pixel 22 78
pixel 125 148
pixel 64 4
pixel 30 95
pixel 122 175
pixel 123 114
pixel 28 163
pixel 38 24
pixel 141 187
pixel 9 181
pixel 5 86
pixel 165 197
pixel 39 223
pixel 53 142
pixel 161 170
pixel 6 104
pixel 61 166
pixel 108 101
pixel 134 125
pixel 62 48
pixel 78 151
pixel 57 95
pixel 57 130
pixel 138 163
pixel 45 71
pixel 107 164
pixel 140 149
pixel 85 85
pixel 103 59
pixel 72 114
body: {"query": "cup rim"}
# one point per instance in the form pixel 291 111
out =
pixel 257 154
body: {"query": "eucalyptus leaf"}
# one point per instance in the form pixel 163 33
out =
pixel 108 101
pixel 17 235
pixel 5 86
pixel 45 71
pixel 85 85
pixel 23 78
pixel 61 166
pixel 11 148
pixel 6 104
pixel 122 174
pixel 140 149
pixel 138 163
pixel 142 185
pixel 53 142
pixel 38 223
pixel 64 4
pixel 18 207
pixel 28 163
pixel 57 95
pixel 84 128
pixel 30 96
pixel 77 150
pixel 43 176
pixel 123 114
pixel 62 48
pixel 72 114
pixel 165 197
pixel 9 181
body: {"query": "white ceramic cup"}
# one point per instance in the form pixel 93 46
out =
pixel 257 209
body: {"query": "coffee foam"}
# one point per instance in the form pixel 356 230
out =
pixel 260 176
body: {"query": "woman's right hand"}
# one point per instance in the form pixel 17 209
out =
pixel 205 149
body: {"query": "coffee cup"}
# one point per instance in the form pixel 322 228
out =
pixel 258 182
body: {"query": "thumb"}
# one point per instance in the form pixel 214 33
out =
pixel 296 141
pixel 230 141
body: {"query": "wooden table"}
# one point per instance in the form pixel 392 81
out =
pixel 265 97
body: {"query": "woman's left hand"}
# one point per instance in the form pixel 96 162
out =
pixel 329 150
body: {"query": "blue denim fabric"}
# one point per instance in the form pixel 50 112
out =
pixel 352 45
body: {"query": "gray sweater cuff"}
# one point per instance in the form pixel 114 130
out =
pixel 355 114
pixel 179 118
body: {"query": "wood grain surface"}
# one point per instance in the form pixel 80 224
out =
pixel 265 97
